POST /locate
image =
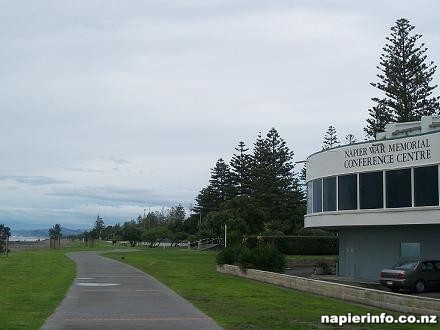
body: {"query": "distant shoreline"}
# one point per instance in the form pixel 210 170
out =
pixel 36 245
pixel 20 238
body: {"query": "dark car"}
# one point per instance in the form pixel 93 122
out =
pixel 416 275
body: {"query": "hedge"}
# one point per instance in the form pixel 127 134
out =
pixel 264 257
pixel 300 245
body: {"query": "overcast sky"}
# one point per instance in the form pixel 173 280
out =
pixel 117 106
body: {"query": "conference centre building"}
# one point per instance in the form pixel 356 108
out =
pixel 381 197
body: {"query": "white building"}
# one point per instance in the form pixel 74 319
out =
pixel 381 196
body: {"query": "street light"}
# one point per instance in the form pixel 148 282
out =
pixel 100 228
pixel 226 235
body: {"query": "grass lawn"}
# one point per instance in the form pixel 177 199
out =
pixel 33 283
pixel 237 303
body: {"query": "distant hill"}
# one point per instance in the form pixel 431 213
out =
pixel 43 233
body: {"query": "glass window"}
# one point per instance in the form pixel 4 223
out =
pixel 409 250
pixel 406 264
pixel 371 190
pixel 347 192
pixel 317 195
pixel 309 197
pixel 427 267
pixel 426 186
pixel 329 194
pixel 398 183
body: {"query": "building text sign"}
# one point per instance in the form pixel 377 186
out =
pixel 382 153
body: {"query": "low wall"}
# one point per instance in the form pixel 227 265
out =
pixel 382 299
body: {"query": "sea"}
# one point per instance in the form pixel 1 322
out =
pixel 18 238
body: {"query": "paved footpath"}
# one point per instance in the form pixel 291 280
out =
pixel 108 294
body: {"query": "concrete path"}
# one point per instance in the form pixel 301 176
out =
pixel 108 294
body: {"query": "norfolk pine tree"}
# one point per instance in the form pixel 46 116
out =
pixel 380 115
pixel 99 226
pixel 268 195
pixel 330 139
pixel 221 181
pixel 220 189
pixel 241 164
pixel 350 139
pixel 206 201
pixel 274 184
pixel 404 78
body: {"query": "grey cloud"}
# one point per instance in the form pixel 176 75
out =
pixel 82 169
pixel 121 161
pixel 37 218
pixel 33 180
pixel 106 93
pixel 124 195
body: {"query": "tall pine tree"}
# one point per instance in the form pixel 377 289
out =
pixel 268 198
pixel 220 189
pixel 206 201
pixel 330 139
pixel 274 184
pixel 405 79
pixel 241 169
pixel 221 181
pixel 380 115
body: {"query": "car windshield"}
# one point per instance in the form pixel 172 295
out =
pixel 406 265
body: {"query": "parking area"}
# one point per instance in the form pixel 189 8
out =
pixel 307 271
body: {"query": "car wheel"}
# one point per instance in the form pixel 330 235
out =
pixel 395 289
pixel 419 287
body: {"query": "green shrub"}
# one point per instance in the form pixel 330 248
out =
pixel 228 255
pixel 269 258
pixel 315 232
pixel 246 258
pixel 325 268
pixel 263 258
pixel 301 245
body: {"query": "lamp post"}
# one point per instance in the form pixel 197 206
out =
pixel 226 234
pixel 100 230
pixel 199 225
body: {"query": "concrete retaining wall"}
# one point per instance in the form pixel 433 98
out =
pixel 382 299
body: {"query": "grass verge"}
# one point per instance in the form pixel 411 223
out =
pixel 33 283
pixel 237 303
